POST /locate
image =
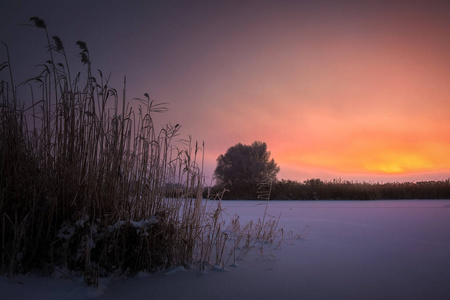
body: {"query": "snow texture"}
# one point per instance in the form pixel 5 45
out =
pixel 353 250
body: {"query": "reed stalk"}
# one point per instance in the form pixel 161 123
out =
pixel 81 166
pixel 89 183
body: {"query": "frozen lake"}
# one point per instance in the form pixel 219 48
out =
pixel 354 250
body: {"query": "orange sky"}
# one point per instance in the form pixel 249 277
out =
pixel 352 89
pixel 342 95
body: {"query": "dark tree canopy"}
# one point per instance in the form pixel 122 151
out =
pixel 244 166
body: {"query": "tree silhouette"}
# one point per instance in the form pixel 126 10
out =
pixel 242 167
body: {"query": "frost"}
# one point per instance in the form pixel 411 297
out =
pixel 219 268
pixel 116 226
pixel 80 223
pixel 91 243
pixel 142 223
pixel 174 270
pixel 141 226
pixel 66 232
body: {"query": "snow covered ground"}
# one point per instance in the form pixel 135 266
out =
pixel 354 250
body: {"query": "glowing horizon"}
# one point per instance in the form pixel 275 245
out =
pixel 349 89
pixel 367 101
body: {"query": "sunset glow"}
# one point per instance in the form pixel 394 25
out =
pixel 353 90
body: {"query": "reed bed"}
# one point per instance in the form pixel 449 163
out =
pixel 337 189
pixel 88 181
pixel 90 184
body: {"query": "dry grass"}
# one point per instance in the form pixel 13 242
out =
pixel 227 241
pixel 80 165
pixel 88 183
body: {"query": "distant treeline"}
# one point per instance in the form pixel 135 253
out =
pixel 316 189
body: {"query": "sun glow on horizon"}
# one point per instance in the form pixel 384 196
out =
pixel 353 88
pixel 329 92
pixel 398 163
pixel 366 154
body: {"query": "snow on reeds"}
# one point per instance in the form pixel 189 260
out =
pixel 90 184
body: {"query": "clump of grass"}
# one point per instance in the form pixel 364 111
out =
pixel 226 241
pixel 81 165
pixel 90 184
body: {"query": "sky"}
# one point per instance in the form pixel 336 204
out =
pixel 356 90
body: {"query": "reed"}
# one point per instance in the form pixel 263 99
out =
pixel 87 179
pixel 337 189
pixel 90 184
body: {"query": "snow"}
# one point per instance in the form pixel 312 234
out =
pixel 353 250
